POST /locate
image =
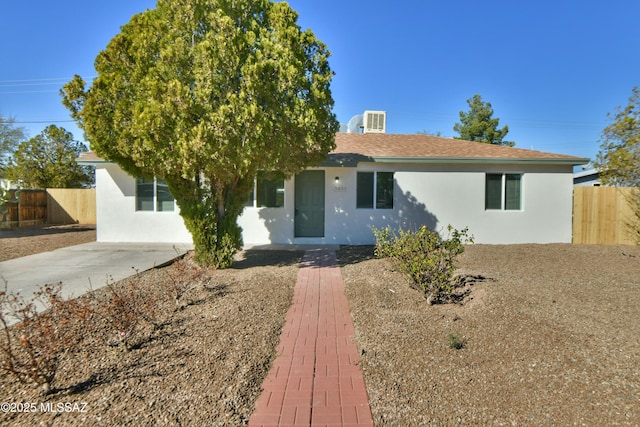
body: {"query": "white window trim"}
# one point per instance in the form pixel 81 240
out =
pixel 503 190
pixel 253 203
pixel 155 200
pixel 375 190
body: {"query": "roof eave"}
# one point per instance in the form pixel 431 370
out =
pixel 83 162
pixel 573 161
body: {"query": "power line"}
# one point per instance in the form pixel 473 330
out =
pixel 64 79
pixel 28 91
pixel 26 83
pixel 42 121
pixel 31 84
pixel 513 123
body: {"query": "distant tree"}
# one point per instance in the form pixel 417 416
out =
pixel 479 125
pixel 426 132
pixel 49 161
pixel 204 94
pixel 10 137
pixel 633 223
pixel 619 157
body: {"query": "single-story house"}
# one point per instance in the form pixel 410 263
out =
pixel 504 195
pixel 6 184
pixel 587 178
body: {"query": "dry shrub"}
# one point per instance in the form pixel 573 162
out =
pixel 38 333
pixel 33 348
pixel 184 275
pixel 129 312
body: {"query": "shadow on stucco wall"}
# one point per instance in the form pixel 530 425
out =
pixel 347 225
pixel 351 226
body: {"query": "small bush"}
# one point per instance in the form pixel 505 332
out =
pixel 184 275
pixel 456 341
pixel 33 348
pixel 426 258
pixel 126 308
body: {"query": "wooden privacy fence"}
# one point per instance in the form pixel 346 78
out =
pixel 601 215
pixel 71 206
pixel 52 206
pixel 30 208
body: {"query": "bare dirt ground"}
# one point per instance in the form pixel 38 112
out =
pixel 550 338
pixel 202 363
pixel 23 241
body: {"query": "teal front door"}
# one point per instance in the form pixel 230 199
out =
pixel 309 204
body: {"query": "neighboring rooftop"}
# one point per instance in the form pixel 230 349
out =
pixel 89 157
pixel 590 177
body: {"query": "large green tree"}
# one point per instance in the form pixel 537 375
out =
pixel 619 156
pixel 49 161
pixel 10 137
pixel 203 94
pixel 478 124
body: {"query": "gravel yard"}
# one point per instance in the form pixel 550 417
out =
pixel 23 241
pixel 550 336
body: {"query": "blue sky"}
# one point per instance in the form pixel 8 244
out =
pixel 551 69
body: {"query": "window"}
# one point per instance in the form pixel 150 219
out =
pixel 512 191
pixel 503 191
pixel 374 189
pixel 268 192
pixel 384 190
pixel 493 191
pixel 153 195
pixel 364 190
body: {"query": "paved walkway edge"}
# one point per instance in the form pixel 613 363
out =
pixel 315 379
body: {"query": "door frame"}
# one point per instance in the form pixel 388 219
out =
pixel 297 184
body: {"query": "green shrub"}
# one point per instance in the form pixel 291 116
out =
pixel 425 257
pixel 456 341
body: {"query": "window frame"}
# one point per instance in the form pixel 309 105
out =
pixel 506 200
pixel 157 202
pixel 365 197
pixel 255 197
pixel 373 195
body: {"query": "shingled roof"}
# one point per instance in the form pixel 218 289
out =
pixel 89 157
pixel 352 148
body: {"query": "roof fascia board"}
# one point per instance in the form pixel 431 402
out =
pixel 421 160
pixel 333 164
pixel 475 160
pixel 92 162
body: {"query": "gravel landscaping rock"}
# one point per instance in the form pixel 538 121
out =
pixel 549 336
pixel 23 241
pixel 201 364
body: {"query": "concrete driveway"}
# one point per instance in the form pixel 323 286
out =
pixel 91 264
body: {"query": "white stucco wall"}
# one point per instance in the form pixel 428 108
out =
pixel 433 195
pixel 117 218
pixel 459 199
pixel 436 195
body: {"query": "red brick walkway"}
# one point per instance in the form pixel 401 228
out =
pixel 315 379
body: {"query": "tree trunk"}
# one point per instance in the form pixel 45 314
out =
pixel 213 224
